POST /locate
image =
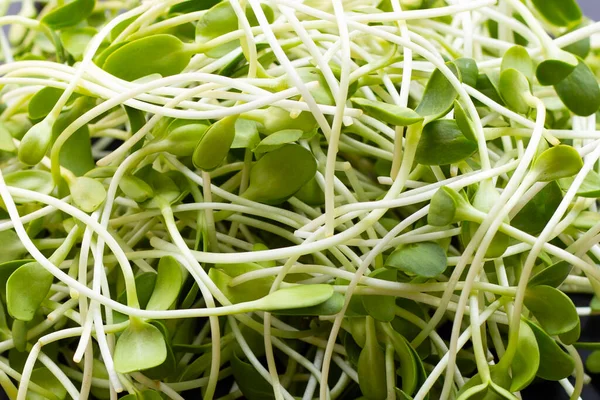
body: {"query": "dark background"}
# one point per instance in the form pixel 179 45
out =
pixel 544 390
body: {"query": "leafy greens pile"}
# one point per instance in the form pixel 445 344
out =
pixel 297 199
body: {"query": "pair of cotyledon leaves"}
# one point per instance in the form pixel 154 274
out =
pixel 572 79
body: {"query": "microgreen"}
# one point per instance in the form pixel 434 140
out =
pixel 69 14
pixel 297 199
pixel 426 259
pixel 159 54
pixel 214 144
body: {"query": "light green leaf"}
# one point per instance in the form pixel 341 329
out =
pixel 214 145
pixel 534 216
pixel 382 308
pixel 590 187
pixel 295 297
pixel 592 362
pixel 6 139
pixel 135 188
pixel 408 370
pixel 275 119
pixel 69 14
pixel 280 173
pixel 439 95
pixel 183 138
pixel 443 143
pixel 579 91
pixel 527 359
pixel 551 72
pixel 555 363
pixel 35 143
pixel 427 259
pixel 34 180
pixel 250 382
pixel 221 19
pixel 514 89
pixel 553 276
pixel 331 306
pixel 158 54
pixel 12 248
pixel 141 346
pixel 311 193
pixel 76 153
pixel 88 194
pixel 43 101
pixel 389 113
pixel 468 70
pixel 464 122
pixel 277 140
pixel 246 134
pixel 75 40
pixel 26 289
pixel 371 366
pixel 168 284
pixel 559 12
pixel 446 207
pixel 557 162
pixel 518 58
pixel 552 308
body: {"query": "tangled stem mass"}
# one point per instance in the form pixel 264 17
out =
pixel 291 199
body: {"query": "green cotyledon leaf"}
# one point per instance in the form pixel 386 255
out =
pixel 554 275
pixel 295 297
pixel 35 180
pixel 157 54
pixel 555 363
pixel 87 193
pixel 559 12
pixel 439 95
pixel 331 306
pixel 251 383
pixel 69 14
pixel 75 40
pixel 141 346
pixel 408 369
pixel 534 216
pixel 26 289
pixel 277 139
pixel 589 188
pixel 551 72
pixel 168 284
pixel 279 174
pixel 526 362
pixel 557 162
pixel 222 275
pixel 214 144
pixel 389 113
pixel 427 259
pixel 518 58
pixel 382 308
pixel 579 91
pixel 552 308
pixel 514 87
pixel 191 6
pixel 35 143
pixel 442 142
pixel 222 19
pixel 371 366
pixel 446 207
pixel 464 122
